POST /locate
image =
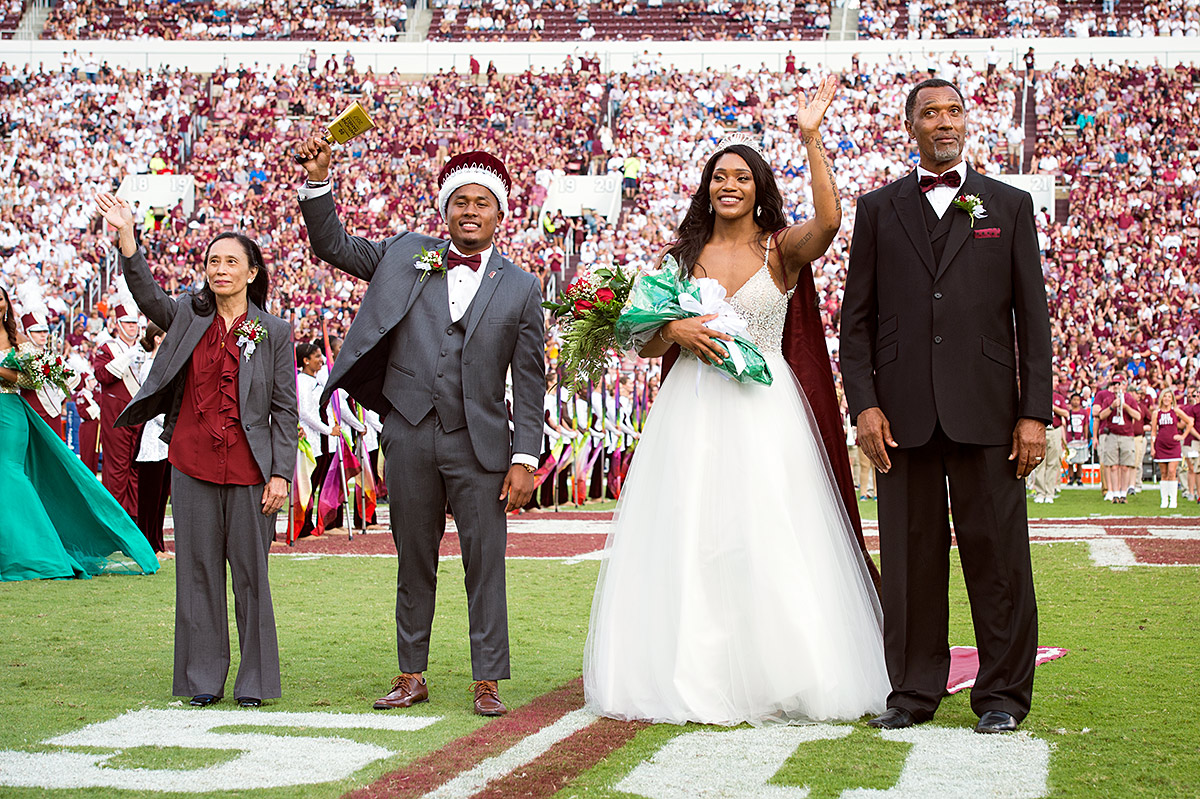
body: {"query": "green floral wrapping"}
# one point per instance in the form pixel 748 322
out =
pixel 662 297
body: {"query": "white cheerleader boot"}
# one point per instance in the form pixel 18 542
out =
pixel 1162 490
pixel 1174 493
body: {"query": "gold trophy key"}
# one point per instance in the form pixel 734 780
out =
pixel 350 123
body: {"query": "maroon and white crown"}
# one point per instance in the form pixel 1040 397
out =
pixel 473 167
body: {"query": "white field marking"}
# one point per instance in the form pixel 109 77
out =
pixel 958 762
pixel 731 765
pixel 1179 533
pixel 596 555
pixel 941 763
pixel 524 751
pixel 1077 531
pixel 265 760
pixel 1111 552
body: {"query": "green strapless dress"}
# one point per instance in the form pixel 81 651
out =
pixel 56 519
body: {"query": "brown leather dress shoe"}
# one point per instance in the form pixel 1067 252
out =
pixel 407 690
pixel 487 698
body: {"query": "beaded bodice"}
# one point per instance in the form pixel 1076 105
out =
pixel 764 309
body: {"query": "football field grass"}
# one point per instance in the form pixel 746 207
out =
pixel 1117 713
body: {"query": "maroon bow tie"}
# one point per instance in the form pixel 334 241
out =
pixel 951 179
pixel 454 259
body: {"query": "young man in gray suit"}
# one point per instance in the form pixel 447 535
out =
pixel 440 327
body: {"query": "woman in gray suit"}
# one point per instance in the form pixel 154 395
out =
pixel 225 378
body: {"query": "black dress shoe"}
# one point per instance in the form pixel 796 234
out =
pixel 204 700
pixel 249 701
pixel 996 721
pixel 894 718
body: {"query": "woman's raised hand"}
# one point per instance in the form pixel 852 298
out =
pixel 809 115
pixel 115 211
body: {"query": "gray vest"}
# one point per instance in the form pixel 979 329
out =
pixel 429 320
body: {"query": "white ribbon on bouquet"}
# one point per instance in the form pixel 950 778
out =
pixel 712 301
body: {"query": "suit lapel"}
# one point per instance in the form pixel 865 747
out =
pixel 419 284
pixel 912 219
pixel 960 225
pixel 187 345
pixel 493 273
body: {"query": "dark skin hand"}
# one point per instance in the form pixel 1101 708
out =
pixel 517 488
pixel 875 436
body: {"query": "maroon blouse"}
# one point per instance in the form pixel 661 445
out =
pixel 208 443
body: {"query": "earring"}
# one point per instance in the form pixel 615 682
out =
pixel 710 208
pixel 758 211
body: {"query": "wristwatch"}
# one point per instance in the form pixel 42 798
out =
pixel 528 468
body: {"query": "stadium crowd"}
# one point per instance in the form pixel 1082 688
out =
pixel 583 20
pixel 1122 268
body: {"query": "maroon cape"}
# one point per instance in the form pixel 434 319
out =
pixel 804 350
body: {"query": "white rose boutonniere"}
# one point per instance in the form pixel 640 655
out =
pixel 973 205
pixel 250 334
pixel 429 261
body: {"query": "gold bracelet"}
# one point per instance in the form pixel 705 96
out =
pixel 528 468
pixel 661 336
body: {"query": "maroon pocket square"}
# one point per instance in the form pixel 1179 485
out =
pixel 987 233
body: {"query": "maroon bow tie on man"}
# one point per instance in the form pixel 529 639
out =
pixel 951 179
pixel 454 259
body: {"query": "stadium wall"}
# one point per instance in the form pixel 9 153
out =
pixel 422 58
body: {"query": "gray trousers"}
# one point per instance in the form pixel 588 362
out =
pixel 214 524
pixel 426 466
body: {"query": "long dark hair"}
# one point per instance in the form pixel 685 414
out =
pixel 10 318
pixel 204 301
pixel 697 226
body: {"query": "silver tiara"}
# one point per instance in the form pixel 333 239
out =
pixel 746 139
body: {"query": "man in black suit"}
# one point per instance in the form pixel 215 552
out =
pixel 945 356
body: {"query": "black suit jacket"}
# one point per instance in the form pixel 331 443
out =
pixel 963 341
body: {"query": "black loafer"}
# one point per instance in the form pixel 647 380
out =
pixel 204 700
pixel 994 721
pixel 249 701
pixel 894 718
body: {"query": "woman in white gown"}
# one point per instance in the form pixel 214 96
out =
pixel 732 589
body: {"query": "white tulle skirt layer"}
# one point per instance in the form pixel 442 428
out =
pixel 731 590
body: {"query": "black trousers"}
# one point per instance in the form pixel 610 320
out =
pixel 154 487
pixel 992 533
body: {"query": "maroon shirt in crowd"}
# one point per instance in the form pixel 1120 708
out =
pixel 208 443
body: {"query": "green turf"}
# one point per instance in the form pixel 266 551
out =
pixel 1118 709
pixel 1085 502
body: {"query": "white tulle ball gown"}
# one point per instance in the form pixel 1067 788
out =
pixel 731 589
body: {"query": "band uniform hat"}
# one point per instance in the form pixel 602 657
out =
pixel 34 323
pixel 127 313
pixel 474 167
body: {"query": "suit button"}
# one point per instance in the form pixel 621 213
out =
pixel 437 397
pixel 358 353
pixel 937 339
pixel 383 330
pixel 440 374
pixel 937 295
pixel 449 331
pixel 443 353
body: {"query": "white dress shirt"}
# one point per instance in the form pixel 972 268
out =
pixel 308 396
pixel 463 282
pixel 940 197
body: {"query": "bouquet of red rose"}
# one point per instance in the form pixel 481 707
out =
pixel 588 314
pixel 40 368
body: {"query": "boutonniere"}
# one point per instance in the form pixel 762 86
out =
pixel 429 261
pixel 250 334
pixel 973 205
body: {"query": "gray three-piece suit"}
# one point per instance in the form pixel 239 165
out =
pixel 439 385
